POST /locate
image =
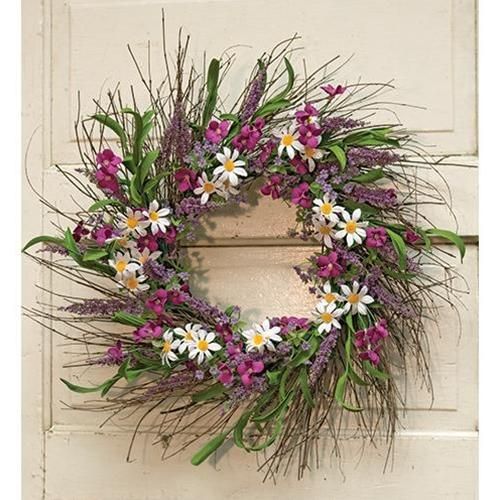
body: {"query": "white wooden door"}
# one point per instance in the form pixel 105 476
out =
pixel 428 47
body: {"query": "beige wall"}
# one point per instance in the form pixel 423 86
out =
pixel 428 47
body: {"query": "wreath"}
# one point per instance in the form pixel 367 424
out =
pixel 151 176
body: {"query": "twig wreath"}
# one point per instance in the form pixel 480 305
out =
pixel 275 385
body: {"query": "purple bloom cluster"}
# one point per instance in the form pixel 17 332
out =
pixel 377 197
pixel 368 342
pixel 335 124
pixel 254 95
pixel 322 356
pixel 104 307
pixel 369 157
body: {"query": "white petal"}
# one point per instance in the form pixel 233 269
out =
pixel 356 214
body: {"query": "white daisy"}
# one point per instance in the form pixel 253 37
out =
pixel 289 141
pixel 262 336
pixel 227 190
pixel 351 229
pixel 325 208
pixel 134 283
pixel 169 346
pixel 203 346
pixel 230 167
pixel 122 264
pixel 327 316
pixel 145 256
pixel 187 335
pixel 157 217
pixel 325 230
pixel 328 296
pixel 132 222
pixel 356 300
pixel 207 187
pixel 310 155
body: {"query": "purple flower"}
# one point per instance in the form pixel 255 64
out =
pixel 80 231
pixel 157 301
pixel 185 179
pixel 217 131
pixel 411 237
pixel 148 331
pixel 225 376
pixel 254 95
pixel 114 355
pixel 299 195
pixel 300 166
pixel 329 265
pixel 333 90
pixel 368 342
pixel 102 234
pixel 148 241
pixel 107 179
pixel 249 136
pixel 247 368
pixel 273 186
pixel 225 331
pixel 322 356
pixel 376 237
pixel 307 114
pixel 309 135
pixel 107 159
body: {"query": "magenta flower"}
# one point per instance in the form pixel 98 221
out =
pixel 148 241
pixel 266 151
pixel 157 301
pixel 368 342
pixel 148 331
pixel 290 323
pixel 299 195
pixel 225 376
pixel 170 235
pixel 107 159
pixel 102 234
pixel 115 355
pixel 306 115
pixel 217 131
pixel 411 237
pixel 309 135
pixel 329 265
pixel 176 296
pixel 234 350
pixel 299 165
pixel 333 90
pixel 80 232
pixel 185 179
pixel 107 180
pixel 225 331
pixel 249 136
pixel 376 237
pixel 273 186
pixel 247 368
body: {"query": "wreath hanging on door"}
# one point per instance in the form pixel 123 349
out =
pixel 277 384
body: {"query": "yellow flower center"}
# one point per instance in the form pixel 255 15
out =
pixel 120 266
pixel 122 242
pixel 209 187
pixel 167 346
pixel 287 140
pixel 351 226
pixel 132 222
pixel 325 230
pixel 309 152
pixel 326 208
pixel 154 216
pixel 326 317
pixel 330 297
pixel 132 283
pixel 353 298
pixel 229 165
pixel 258 339
pixel 202 345
pixel 143 259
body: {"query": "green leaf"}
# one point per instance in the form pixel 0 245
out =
pixel 399 245
pixel 272 106
pixel 289 83
pixel 132 374
pixel 128 319
pixel 355 377
pixel 275 411
pixel 71 245
pixel 153 183
pixel 304 387
pixel 146 164
pixel 229 116
pixel 94 254
pixel 201 455
pixel 104 203
pixel 450 236
pixel 339 153
pixel 374 372
pixel 113 125
pixel 211 392
pixel 44 239
pixel 303 356
pixel 239 428
pixel 340 394
pixel 212 84
pixel 371 176
pixel 85 390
